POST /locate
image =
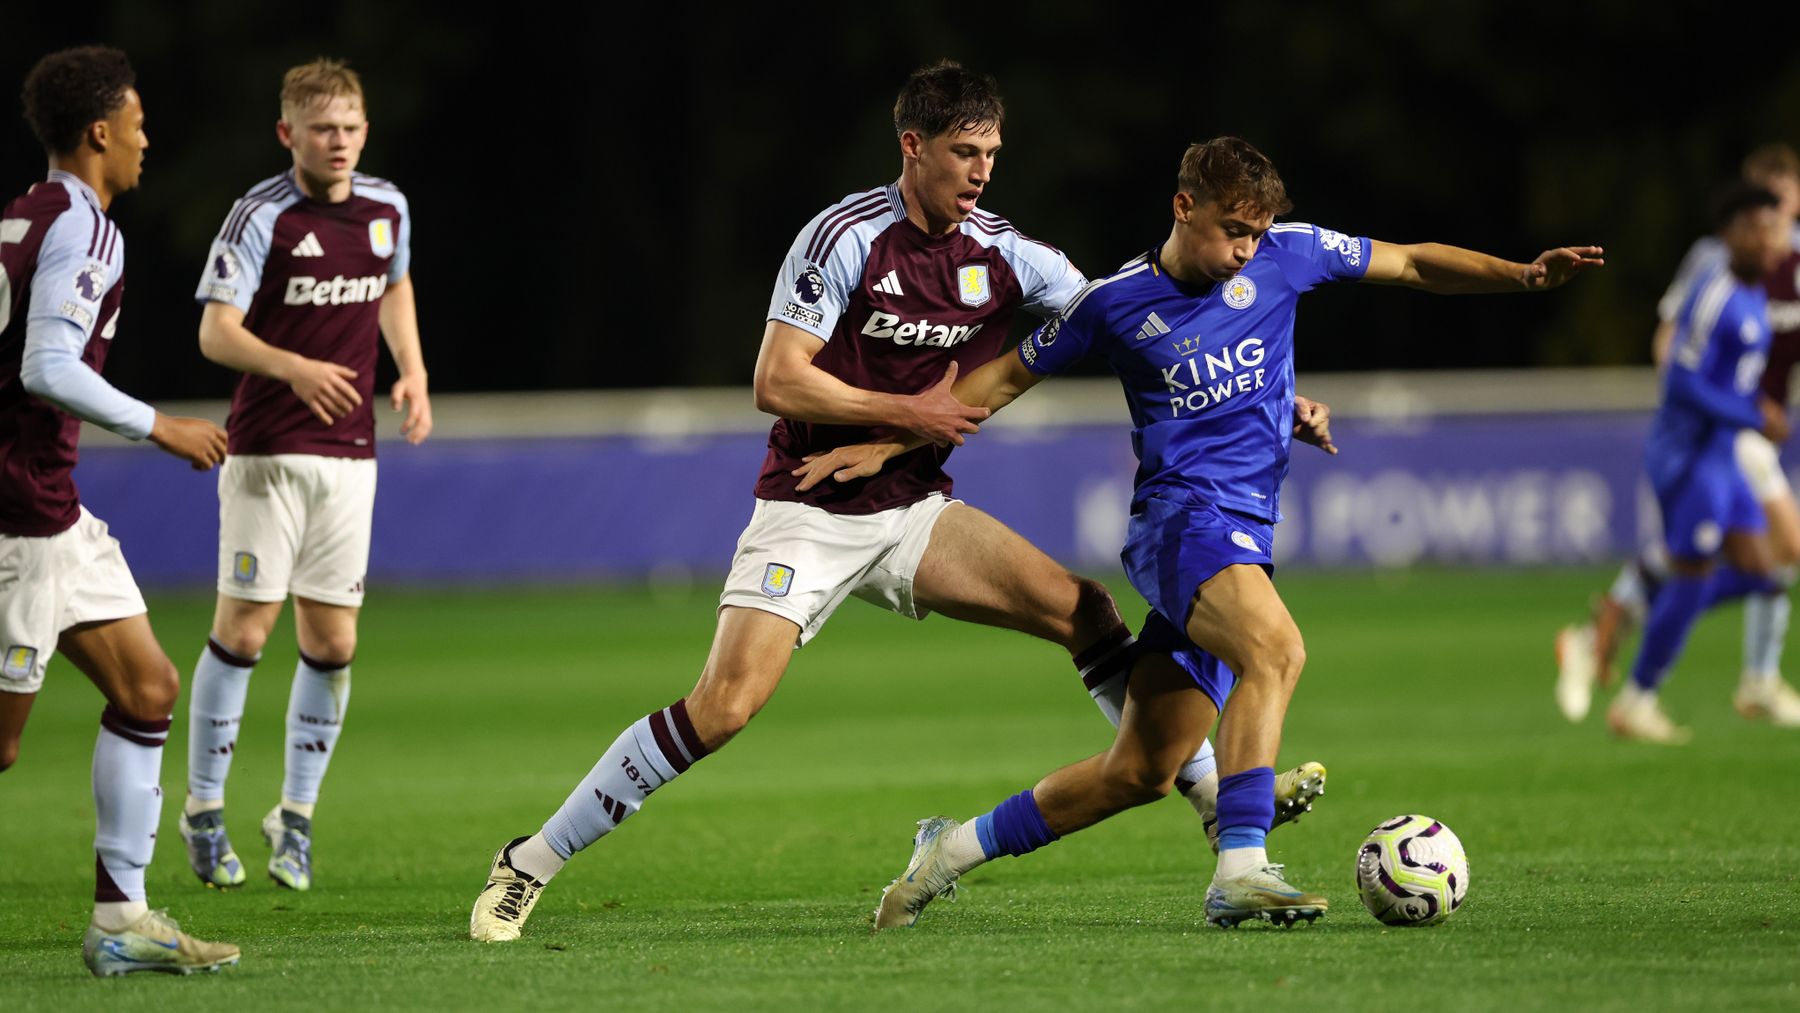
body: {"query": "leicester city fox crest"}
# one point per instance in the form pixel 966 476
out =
pixel 1240 292
pixel 778 580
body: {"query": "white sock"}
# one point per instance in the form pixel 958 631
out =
pixel 117 916
pixel 127 804
pixel 297 808
pixel 1203 794
pixel 215 709
pixel 1765 631
pixel 196 806
pixel 1238 861
pixel 962 848
pixel 534 857
pixel 315 719
pixel 652 752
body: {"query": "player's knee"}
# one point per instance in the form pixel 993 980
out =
pixel 718 717
pixel 245 640
pixel 9 754
pixel 1138 780
pixel 150 696
pixel 1096 614
pixel 331 652
pixel 1280 655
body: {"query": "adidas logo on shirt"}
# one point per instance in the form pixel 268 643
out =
pixel 1153 328
pixel 890 284
pixel 309 247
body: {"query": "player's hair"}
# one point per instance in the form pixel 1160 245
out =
pixel 70 90
pixel 947 96
pixel 319 82
pixel 1231 171
pixel 1771 160
pixel 1738 198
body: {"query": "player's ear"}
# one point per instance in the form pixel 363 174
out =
pixel 284 133
pixel 1184 206
pixel 99 134
pixel 911 144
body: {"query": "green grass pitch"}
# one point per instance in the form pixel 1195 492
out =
pixel 1604 875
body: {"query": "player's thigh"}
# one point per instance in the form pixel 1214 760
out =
pixel 1783 515
pixel 124 661
pixel 979 570
pixel 1748 550
pixel 799 562
pixel 1760 462
pixel 1238 617
pixel 262 520
pixel 326 633
pixel 331 564
pixel 750 652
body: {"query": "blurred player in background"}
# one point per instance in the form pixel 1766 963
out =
pixel 64 584
pixel 1711 396
pixel 1200 331
pixel 889 292
pixel 1586 652
pixel 307 275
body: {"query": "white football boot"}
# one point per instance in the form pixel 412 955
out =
pixel 1576 670
pixel 1637 715
pixel 505 902
pixel 1768 699
pixel 926 878
pixel 1260 894
pixel 1295 791
pixel 154 943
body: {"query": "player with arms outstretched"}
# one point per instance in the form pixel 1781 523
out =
pixel 64 584
pixel 309 272
pixel 1200 331
pixel 886 293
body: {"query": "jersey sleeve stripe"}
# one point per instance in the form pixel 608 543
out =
pixel 1092 286
pixel 1706 316
pixel 94 235
pixel 247 205
pixel 112 244
pixel 880 212
pixel 857 206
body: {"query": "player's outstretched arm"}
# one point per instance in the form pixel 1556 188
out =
pixel 1452 270
pixel 399 316
pixel 789 385
pixel 993 386
pixel 324 387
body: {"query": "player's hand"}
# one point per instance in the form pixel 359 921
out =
pixel 409 395
pixel 936 415
pixel 325 388
pixel 196 441
pixel 1554 267
pixel 1312 423
pixel 845 464
pixel 1775 420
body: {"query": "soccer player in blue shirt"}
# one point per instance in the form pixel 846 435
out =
pixel 1710 396
pixel 1200 332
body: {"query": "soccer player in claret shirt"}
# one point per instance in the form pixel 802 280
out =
pixel 888 292
pixel 64 585
pixel 307 275
pixel 1200 331
pixel 1585 651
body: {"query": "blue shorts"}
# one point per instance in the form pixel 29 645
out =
pixel 1173 547
pixel 1711 498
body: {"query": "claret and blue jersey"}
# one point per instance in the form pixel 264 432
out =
pixel 1208 371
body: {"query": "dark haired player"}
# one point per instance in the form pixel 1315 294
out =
pixel 64 584
pixel 888 292
pixel 1210 391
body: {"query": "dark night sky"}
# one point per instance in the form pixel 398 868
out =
pixel 603 202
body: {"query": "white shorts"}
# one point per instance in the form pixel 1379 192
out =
pixel 295 523
pixel 1760 462
pixel 50 584
pixel 801 562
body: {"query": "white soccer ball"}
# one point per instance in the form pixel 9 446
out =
pixel 1411 870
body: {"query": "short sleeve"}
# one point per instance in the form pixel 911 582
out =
pixel 1326 254
pixel 402 259
pixel 812 295
pixel 1048 279
pixel 1068 337
pixel 1706 253
pixel 234 265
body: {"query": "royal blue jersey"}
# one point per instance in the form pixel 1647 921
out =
pixel 1710 390
pixel 1208 370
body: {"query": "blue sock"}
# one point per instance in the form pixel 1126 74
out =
pixel 1672 615
pixel 1014 827
pixel 1728 583
pixel 1246 808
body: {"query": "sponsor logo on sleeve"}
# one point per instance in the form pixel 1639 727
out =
pixel 243 567
pixel 1240 292
pixel 90 282
pixel 20 662
pixel 972 284
pixel 1347 247
pixel 778 580
pixel 381 237
pixel 809 285
pixel 78 313
pixel 220 293
pixel 225 265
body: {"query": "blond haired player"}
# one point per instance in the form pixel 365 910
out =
pixel 308 273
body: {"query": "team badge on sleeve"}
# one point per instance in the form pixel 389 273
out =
pixel 778 580
pixel 381 237
pixel 1240 292
pixel 90 283
pixel 972 284
pixel 225 265
pixel 20 662
pixel 243 568
pixel 809 286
